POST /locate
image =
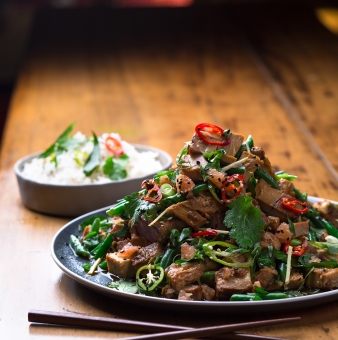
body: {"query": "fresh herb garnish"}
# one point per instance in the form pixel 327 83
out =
pixel 245 222
pixel 135 207
pixel 124 286
pixel 115 167
pixel 93 161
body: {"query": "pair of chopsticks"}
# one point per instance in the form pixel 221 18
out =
pixel 156 330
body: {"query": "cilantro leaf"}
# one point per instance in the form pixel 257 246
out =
pixel 245 222
pixel 135 207
pixel 124 286
pixel 115 168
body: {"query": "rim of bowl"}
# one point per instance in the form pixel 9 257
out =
pixel 19 163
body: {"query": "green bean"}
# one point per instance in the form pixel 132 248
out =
pixel 270 180
pixel 248 144
pixel 118 209
pixel 96 225
pixel 207 276
pixel 103 247
pixel 239 170
pixel 104 265
pixel 78 247
pixel 167 258
pixel 275 296
pixel 244 297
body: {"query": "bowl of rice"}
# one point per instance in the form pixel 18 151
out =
pixel 80 174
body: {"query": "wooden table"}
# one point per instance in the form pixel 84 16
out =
pixel 152 75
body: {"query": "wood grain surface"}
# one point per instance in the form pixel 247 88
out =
pixel 152 75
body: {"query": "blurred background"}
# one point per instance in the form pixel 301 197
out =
pixel 17 18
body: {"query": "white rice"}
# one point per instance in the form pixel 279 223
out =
pixel 68 171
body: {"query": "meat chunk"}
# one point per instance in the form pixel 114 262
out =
pixel 251 165
pixel 283 233
pixel 180 276
pixel 259 151
pixel 269 200
pixel 196 210
pixel 323 278
pixel 187 251
pixel 120 266
pixel 286 186
pixel 272 223
pixel 160 231
pixel 184 184
pixel 188 215
pixel 268 278
pixel 232 281
pixel 204 203
pixel 208 293
pixel 147 254
pixel 269 239
pixel 190 292
pixel 216 177
pixel 191 165
pixel 296 279
pixel 200 147
pixel 302 228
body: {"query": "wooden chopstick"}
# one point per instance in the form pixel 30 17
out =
pixel 210 331
pixel 77 320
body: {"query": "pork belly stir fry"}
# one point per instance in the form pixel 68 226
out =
pixel 220 225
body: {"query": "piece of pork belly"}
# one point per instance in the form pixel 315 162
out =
pixel 200 147
pixel 272 224
pixel 328 210
pixel 259 151
pixel 302 228
pixel 296 279
pixel 169 292
pixel 184 184
pixel 191 217
pixel 190 292
pixel 269 239
pixel 160 231
pixel 120 266
pixel 208 293
pixel 187 251
pixel 286 186
pixel 182 275
pixel 147 254
pixel 269 200
pixel 191 165
pixel 204 203
pixel 251 165
pixel 323 278
pixel 232 281
pixel 268 278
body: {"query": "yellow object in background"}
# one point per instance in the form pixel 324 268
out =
pixel 328 17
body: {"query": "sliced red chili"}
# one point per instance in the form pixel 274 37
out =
pixel 153 193
pixel 232 187
pixel 213 134
pixel 114 146
pixel 295 205
pixel 297 250
pixel 205 233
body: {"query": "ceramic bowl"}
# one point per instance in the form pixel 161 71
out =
pixel 75 200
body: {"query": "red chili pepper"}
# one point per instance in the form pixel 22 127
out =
pixel 295 205
pixel 154 193
pixel 205 233
pixel 213 134
pixel 297 250
pixel 232 187
pixel 114 146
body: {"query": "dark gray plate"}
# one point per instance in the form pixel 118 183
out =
pixel 71 265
